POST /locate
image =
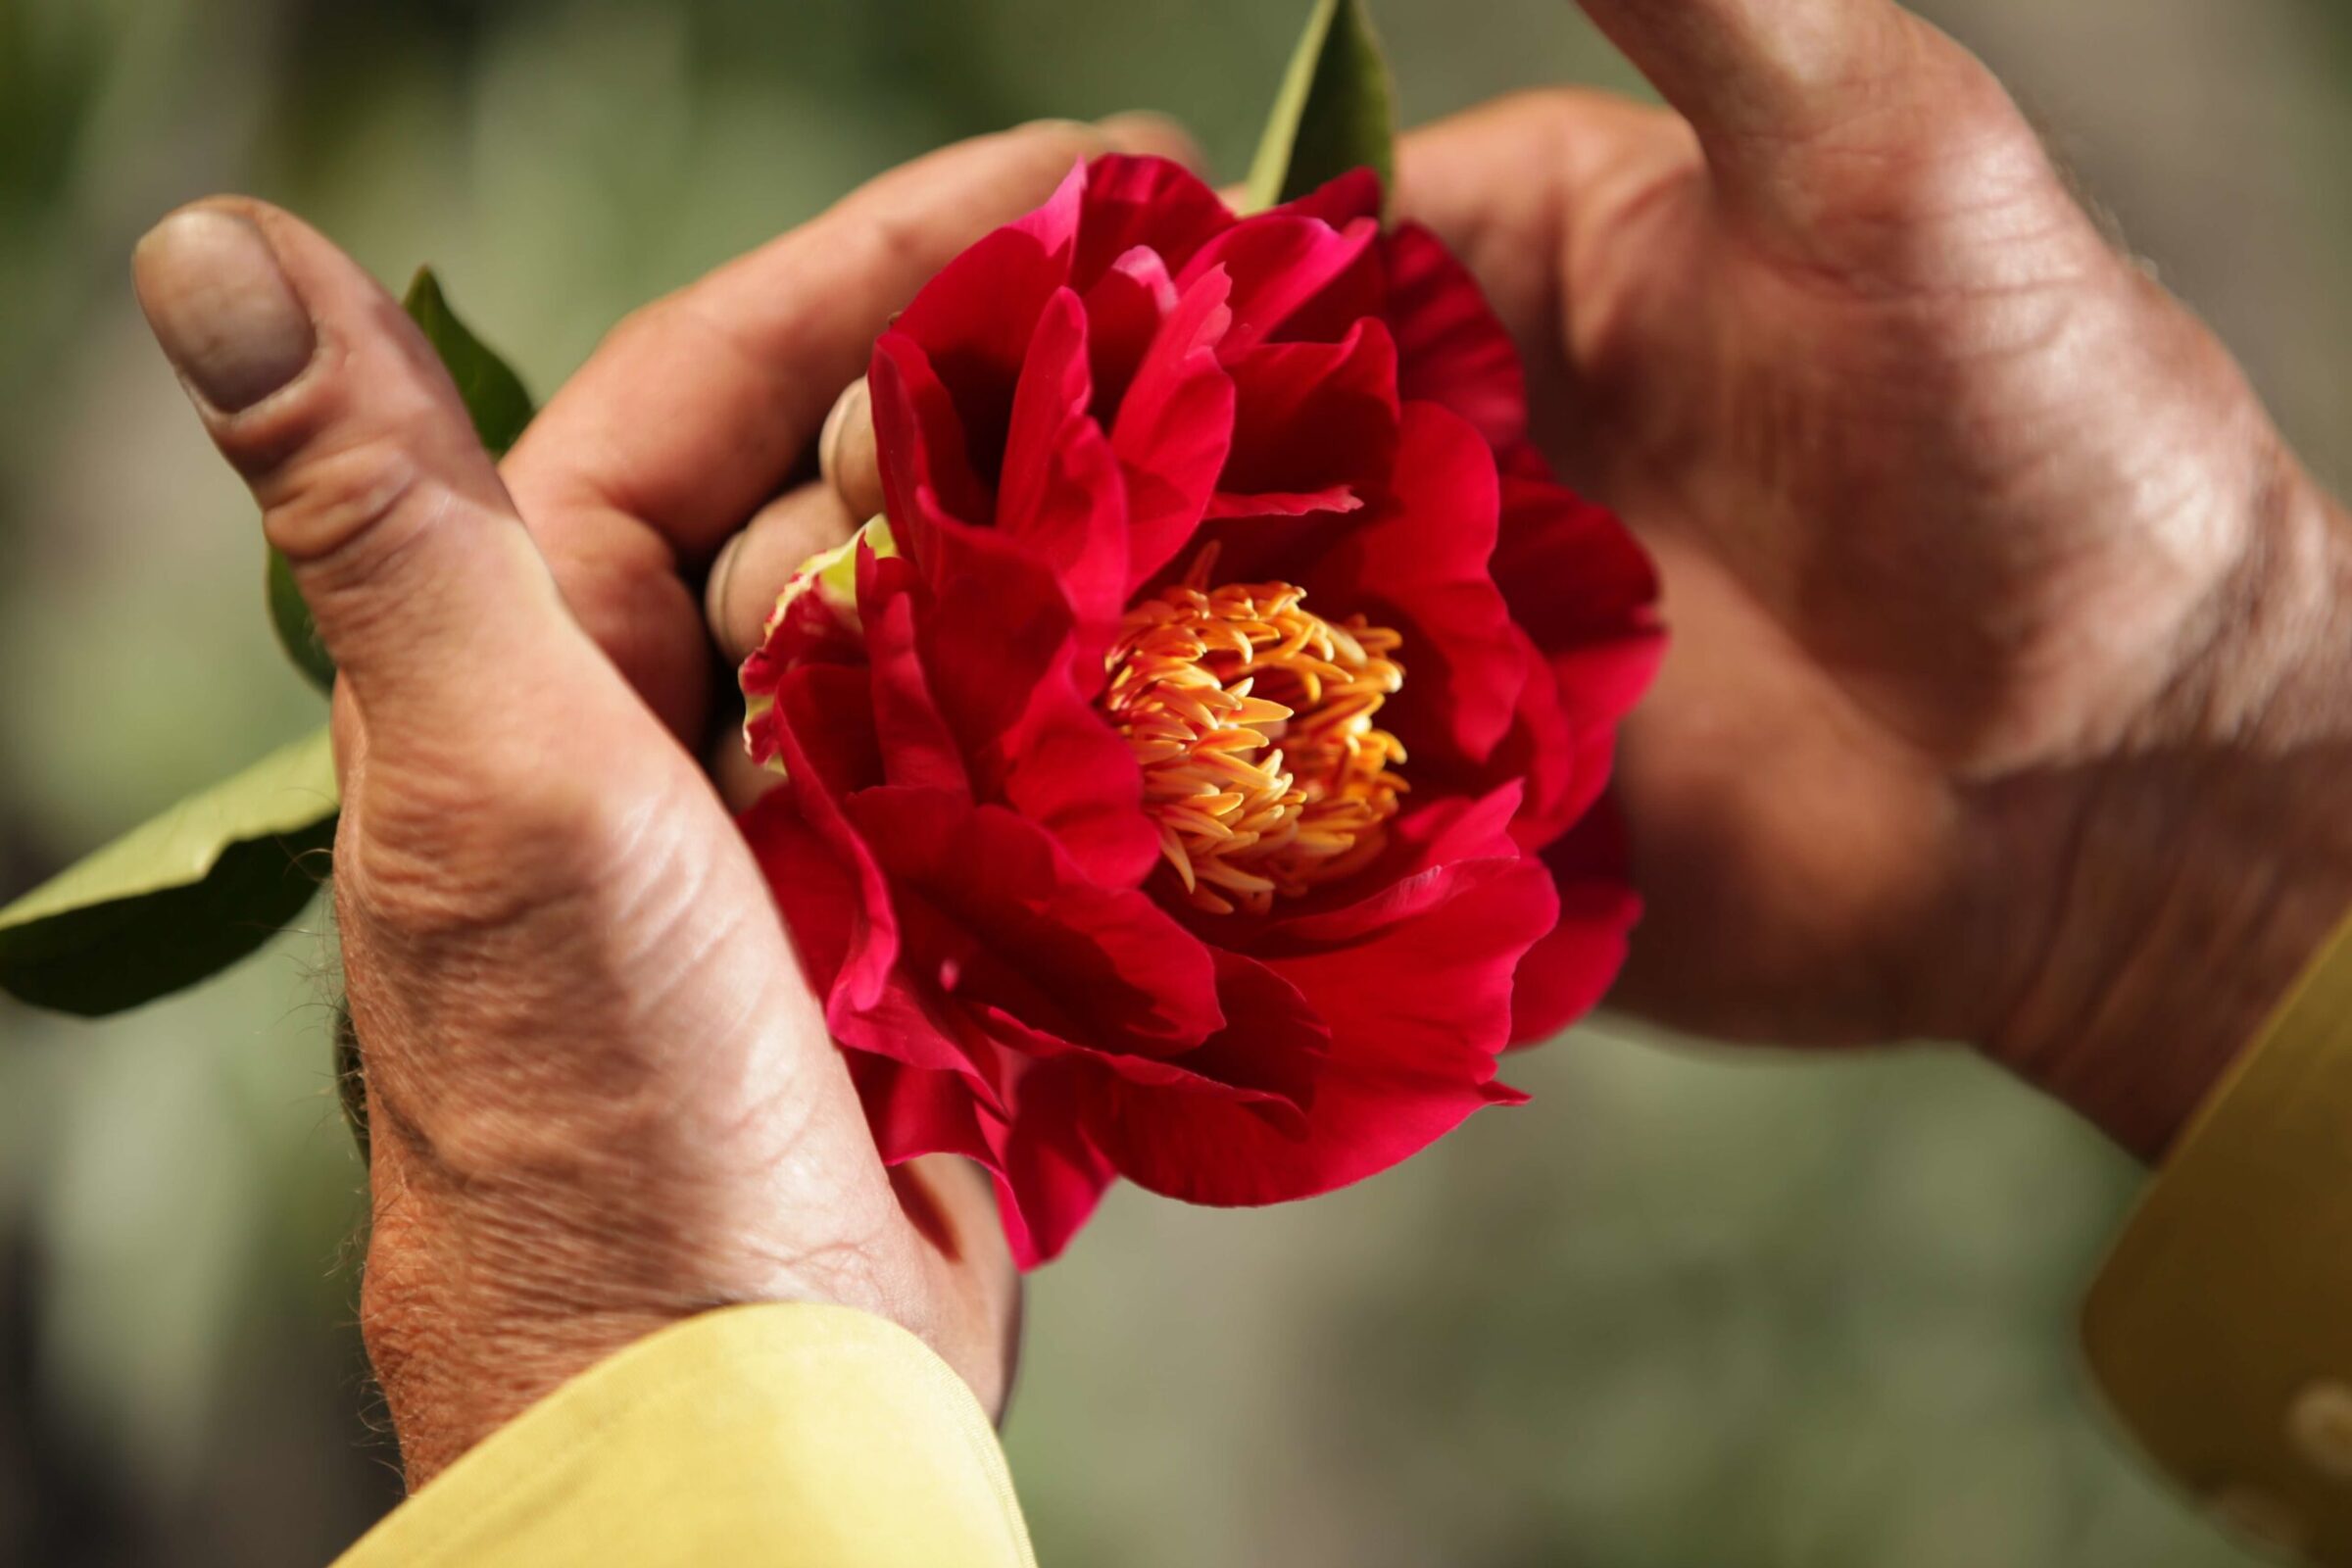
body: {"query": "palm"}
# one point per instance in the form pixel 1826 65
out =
pixel 1919 555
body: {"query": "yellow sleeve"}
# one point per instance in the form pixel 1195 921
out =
pixel 780 1436
pixel 2221 1327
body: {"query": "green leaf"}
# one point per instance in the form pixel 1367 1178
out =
pixel 296 633
pixel 493 394
pixel 495 398
pixel 181 897
pixel 1336 110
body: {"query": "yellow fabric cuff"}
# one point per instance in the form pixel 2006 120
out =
pixel 787 1436
pixel 2221 1327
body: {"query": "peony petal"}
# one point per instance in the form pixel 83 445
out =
pixel 1430 991
pixel 997 625
pixel 1062 495
pixel 1067 771
pixel 1573 573
pixel 991 911
pixel 1453 348
pixel 1149 202
pixel 974 323
pixel 915 744
pixel 1054 226
pixel 846 935
pixel 825 734
pixel 1312 418
pixel 1012 680
pixel 1339 200
pixel 1175 427
pixel 1124 307
pixel 1049 1176
pixel 1363 1118
pixel 1586 593
pixel 1278 265
pixel 920 440
pixel 916 1111
pixel 1565 975
pixel 1419 563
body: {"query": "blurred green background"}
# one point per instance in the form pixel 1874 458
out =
pixel 1690 1310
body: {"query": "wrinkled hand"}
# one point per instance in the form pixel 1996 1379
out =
pixel 600 1096
pixel 2005 693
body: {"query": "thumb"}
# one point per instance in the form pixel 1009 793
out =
pixel 1802 102
pixel 318 389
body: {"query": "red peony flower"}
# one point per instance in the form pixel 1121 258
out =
pixel 1194 775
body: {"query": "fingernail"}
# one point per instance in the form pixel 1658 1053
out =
pixel 847 454
pixel 221 307
pixel 846 409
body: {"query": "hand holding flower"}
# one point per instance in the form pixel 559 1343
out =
pixel 599 1096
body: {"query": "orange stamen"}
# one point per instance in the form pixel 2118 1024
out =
pixel 1253 719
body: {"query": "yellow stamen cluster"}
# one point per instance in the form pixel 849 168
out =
pixel 1253 719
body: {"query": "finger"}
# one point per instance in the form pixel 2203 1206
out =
pixel 1739 68
pixel 1773 87
pixel 324 395
pixel 760 561
pixel 693 412
pixel 1515 185
pixel 847 455
pixel 740 781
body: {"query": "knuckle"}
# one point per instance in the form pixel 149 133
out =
pixel 649 324
pixel 1052 145
pixel 323 504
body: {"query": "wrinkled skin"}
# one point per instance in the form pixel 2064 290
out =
pixel 2001 700
pixel 599 1096
pixel 2003 695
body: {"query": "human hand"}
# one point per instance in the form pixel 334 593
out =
pixel 2006 689
pixel 600 1096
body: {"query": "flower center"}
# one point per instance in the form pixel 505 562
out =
pixel 1253 719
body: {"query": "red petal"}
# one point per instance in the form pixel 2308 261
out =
pixel 1312 418
pixel 1012 679
pixel 1453 348
pixel 1414 985
pixel 1205 1151
pixel 1124 307
pixel 974 323
pixel 915 744
pixel 1429 991
pixel 991 911
pixel 1278 265
pixel 1054 226
pixel 1149 202
pixel 846 937
pixel 1565 975
pixel 1586 593
pixel 823 731
pixel 1062 494
pixel 1573 573
pixel 1066 770
pixel 1352 195
pixel 1175 429
pixel 920 442
pixel 1420 564
pixel 1049 1178
pixel 915 1111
